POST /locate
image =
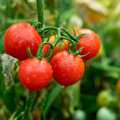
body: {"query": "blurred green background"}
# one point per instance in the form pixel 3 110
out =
pixel 97 95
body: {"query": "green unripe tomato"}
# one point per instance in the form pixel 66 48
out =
pixel 79 115
pixel 106 114
pixel 105 98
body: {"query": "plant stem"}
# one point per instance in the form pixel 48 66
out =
pixel 40 53
pixel 29 105
pixel 40 9
pixel 29 53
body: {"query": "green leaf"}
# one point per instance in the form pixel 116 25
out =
pixel 17 114
pixel 9 98
pixel 51 97
pixel 2 47
pixel 13 116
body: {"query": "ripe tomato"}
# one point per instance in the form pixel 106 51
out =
pixel 90 42
pixel 63 46
pixel 67 68
pixel 35 74
pixel 19 37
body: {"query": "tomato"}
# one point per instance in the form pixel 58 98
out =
pixel 106 98
pixel 90 42
pixel 19 37
pixel 35 74
pixel 67 68
pixel 58 48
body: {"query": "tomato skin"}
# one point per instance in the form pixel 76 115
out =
pixel 35 74
pixel 90 42
pixel 19 37
pixel 63 46
pixel 67 68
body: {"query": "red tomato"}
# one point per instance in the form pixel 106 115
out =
pixel 67 68
pixel 62 47
pixel 19 37
pixel 35 74
pixel 90 42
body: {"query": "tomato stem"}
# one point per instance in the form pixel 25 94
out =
pixel 74 40
pixel 71 36
pixel 29 105
pixel 40 9
pixel 29 53
pixel 40 52
pixel 41 30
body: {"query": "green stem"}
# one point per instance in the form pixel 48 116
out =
pixel 28 106
pixel 58 38
pixel 29 53
pixel 73 40
pixel 71 36
pixel 46 28
pixel 40 9
pixel 56 41
pixel 40 49
pixel 73 44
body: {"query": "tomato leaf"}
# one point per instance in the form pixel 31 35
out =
pixel 51 97
pixel 2 48
pixel 9 98
pixel 16 114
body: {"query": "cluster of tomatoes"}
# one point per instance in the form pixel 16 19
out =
pixel 65 68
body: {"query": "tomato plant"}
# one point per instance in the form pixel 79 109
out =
pixel 47 50
pixel 67 68
pixel 19 37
